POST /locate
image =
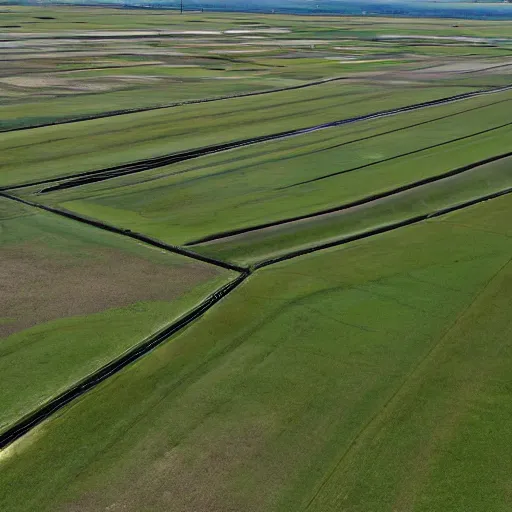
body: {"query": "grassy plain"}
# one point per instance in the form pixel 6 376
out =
pixel 74 298
pixel 263 244
pixel 71 63
pixel 368 377
pixel 66 149
pixel 274 181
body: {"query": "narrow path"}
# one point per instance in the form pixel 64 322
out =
pixel 88 177
pixel 36 417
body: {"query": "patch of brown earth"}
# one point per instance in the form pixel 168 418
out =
pixel 38 284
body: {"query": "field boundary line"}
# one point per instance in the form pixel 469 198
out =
pixel 381 229
pixel 408 378
pixel 358 202
pixel 122 112
pixel 395 157
pixel 403 128
pixel 130 234
pixel 88 173
pixel 34 418
pixel 95 176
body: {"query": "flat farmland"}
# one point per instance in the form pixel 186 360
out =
pixel 254 262
pixel 259 246
pixel 74 298
pixel 51 152
pixel 76 63
pixel 297 176
pixel 347 379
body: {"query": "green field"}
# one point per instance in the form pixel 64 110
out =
pixel 263 183
pixel 141 64
pixel 264 244
pixel 355 378
pixel 77 298
pixel 200 311
pixel 65 149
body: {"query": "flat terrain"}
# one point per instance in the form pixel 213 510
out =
pixel 254 262
pixel 72 62
pixel 51 152
pixel 74 298
pixel 363 377
pixel 297 176
pixel 260 245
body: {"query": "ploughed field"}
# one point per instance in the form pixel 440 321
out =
pixel 254 262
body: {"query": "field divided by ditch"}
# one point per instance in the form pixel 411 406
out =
pixel 254 263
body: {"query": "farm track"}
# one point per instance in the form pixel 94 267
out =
pixel 122 112
pixel 346 206
pixel 33 419
pixel 89 177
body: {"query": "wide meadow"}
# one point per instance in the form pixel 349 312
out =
pixel 254 262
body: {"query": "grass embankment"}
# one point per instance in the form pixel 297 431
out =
pixel 75 298
pixel 269 182
pixel 369 376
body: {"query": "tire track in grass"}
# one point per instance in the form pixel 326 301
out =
pixel 88 177
pixel 346 206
